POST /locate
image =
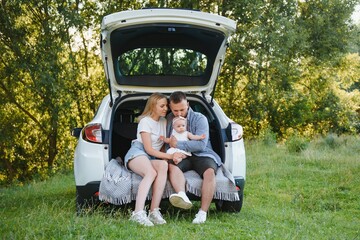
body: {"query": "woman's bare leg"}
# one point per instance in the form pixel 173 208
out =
pixel 142 166
pixel 161 167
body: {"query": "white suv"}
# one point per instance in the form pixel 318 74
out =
pixel 157 50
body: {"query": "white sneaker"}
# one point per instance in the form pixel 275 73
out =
pixel 141 218
pixel 155 217
pixel 200 217
pixel 180 200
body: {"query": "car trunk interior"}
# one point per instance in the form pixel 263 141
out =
pixel 125 118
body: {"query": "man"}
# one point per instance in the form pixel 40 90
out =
pixel 203 160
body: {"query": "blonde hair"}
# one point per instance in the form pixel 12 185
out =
pixel 151 103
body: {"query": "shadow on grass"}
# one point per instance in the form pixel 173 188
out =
pixel 167 210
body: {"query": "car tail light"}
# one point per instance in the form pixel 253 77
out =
pixel 93 133
pixel 236 131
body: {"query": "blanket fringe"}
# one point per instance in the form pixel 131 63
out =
pixel 226 196
pixel 116 201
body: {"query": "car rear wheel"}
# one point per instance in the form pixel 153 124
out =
pixel 84 204
pixel 229 206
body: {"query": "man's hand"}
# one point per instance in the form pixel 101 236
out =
pixel 173 142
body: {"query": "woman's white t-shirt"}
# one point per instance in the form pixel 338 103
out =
pixel 155 128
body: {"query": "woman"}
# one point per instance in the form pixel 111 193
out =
pixel 145 158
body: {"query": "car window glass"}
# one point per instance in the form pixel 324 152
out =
pixel 162 61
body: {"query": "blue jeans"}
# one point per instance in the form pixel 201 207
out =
pixel 136 149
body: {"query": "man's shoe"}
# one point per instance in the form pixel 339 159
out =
pixel 200 217
pixel 141 218
pixel 155 217
pixel 180 200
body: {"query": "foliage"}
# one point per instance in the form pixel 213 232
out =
pixel 292 66
pixel 268 137
pixel 309 195
pixel 284 68
pixel 42 76
pixel 296 143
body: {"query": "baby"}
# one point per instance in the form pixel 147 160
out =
pixel 181 134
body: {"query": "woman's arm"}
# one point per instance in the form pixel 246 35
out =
pixel 146 139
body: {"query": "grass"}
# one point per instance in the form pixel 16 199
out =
pixel 311 194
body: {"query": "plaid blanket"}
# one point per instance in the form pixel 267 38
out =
pixel 119 186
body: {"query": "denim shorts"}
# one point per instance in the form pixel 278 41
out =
pixel 136 149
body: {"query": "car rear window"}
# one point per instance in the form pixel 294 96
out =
pixel 162 61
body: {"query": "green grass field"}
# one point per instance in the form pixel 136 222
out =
pixel 311 194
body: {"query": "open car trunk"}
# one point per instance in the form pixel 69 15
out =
pixel 125 121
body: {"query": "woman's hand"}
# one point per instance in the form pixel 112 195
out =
pixel 178 157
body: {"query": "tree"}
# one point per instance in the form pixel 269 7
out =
pixel 40 74
pixel 288 69
pixel 276 42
